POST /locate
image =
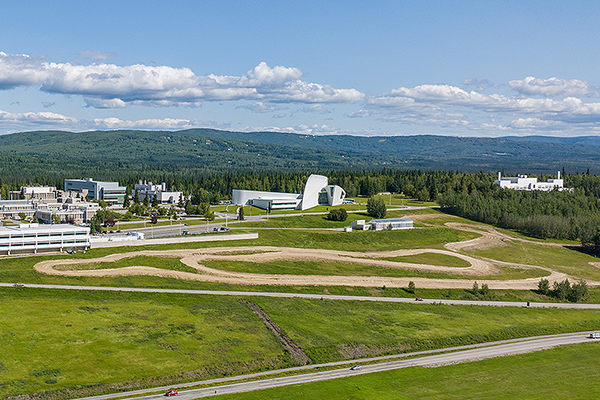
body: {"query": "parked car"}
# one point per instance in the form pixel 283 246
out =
pixel 172 392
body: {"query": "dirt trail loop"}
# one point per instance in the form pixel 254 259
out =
pixel 490 238
pixel 260 254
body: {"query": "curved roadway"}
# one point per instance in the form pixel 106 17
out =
pixel 462 354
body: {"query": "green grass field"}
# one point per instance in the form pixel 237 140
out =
pixel 569 372
pixel 432 259
pixel 173 264
pixel 60 339
pixel 56 339
pixel 561 259
pixel 330 330
pixel 350 269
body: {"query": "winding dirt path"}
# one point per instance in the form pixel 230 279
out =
pixel 261 254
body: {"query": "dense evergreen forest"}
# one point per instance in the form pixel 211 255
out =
pixel 209 164
pixel 561 215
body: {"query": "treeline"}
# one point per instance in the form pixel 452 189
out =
pixel 559 215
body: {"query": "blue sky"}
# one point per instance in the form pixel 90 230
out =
pixel 463 68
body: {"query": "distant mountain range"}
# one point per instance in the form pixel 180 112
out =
pixel 215 150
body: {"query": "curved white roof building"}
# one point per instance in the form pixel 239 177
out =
pixel 316 192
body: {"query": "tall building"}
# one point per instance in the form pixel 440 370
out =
pixel 110 192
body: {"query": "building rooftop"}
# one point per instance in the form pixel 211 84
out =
pixel 41 228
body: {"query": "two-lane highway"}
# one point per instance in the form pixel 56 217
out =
pixel 471 353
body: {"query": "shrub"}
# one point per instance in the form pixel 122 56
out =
pixel 543 286
pixel 338 214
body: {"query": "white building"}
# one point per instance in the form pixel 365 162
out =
pixel 316 192
pixel 523 182
pixel 110 192
pixel 159 191
pixel 382 224
pixel 33 192
pixel 34 238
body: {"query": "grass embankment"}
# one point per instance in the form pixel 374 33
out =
pixel 569 372
pixel 561 259
pixel 173 264
pixel 58 339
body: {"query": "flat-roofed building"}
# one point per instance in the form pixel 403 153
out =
pixel 523 182
pixel 33 192
pixel 110 192
pixel 159 192
pixel 382 224
pixel 35 238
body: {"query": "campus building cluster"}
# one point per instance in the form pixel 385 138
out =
pixel 523 182
pixel 46 203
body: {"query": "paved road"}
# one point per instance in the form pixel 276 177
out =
pixel 462 354
pixel 316 296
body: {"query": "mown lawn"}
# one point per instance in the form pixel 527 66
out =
pixel 432 259
pixel 569 372
pixel 349 269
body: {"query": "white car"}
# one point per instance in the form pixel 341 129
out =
pixel 356 368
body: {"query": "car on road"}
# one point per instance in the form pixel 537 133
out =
pixel 186 232
pixel 19 284
pixel 594 335
pixel 171 392
pixel 418 299
pixel 356 368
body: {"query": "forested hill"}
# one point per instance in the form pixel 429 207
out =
pixel 99 154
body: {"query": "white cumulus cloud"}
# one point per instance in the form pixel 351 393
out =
pixel 111 86
pixel 553 87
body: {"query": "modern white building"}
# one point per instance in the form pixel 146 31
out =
pixel 316 192
pixel 523 182
pixel 34 238
pixel 150 190
pixel 382 224
pixel 110 192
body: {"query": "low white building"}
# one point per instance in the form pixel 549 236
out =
pixel 523 182
pixel 382 224
pixel 316 192
pixel 34 238
pixel 160 192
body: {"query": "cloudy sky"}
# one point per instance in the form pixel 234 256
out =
pixel 464 68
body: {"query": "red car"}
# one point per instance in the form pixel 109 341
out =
pixel 418 299
pixel 171 393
